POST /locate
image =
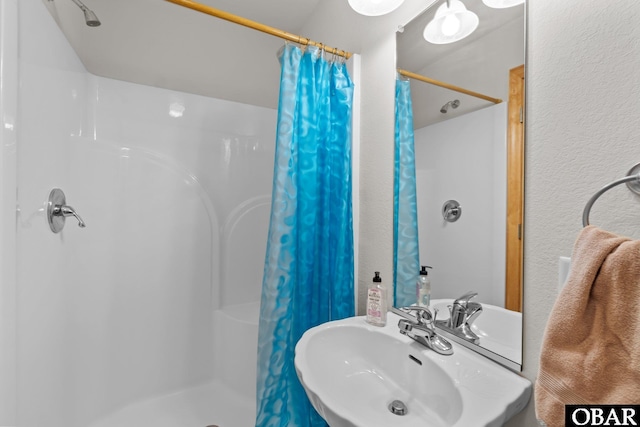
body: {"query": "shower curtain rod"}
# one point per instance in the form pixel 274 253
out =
pixel 415 76
pixel 257 26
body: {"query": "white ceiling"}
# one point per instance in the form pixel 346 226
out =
pixel 158 43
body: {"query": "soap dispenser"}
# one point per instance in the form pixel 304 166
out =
pixel 376 302
pixel 423 288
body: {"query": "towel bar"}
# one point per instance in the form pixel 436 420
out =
pixel 633 182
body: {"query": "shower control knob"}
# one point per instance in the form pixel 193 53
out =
pixel 58 211
pixel 451 211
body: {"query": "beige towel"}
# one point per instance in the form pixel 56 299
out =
pixel 591 347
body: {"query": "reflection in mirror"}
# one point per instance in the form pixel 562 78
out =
pixel 469 149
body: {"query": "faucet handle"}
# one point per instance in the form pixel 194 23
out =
pixel 423 314
pixel 464 299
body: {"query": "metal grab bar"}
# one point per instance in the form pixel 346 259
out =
pixel 633 186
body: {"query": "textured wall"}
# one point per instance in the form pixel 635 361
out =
pixel 583 128
pixel 376 163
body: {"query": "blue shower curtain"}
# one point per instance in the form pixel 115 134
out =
pixel 308 273
pixel 406 256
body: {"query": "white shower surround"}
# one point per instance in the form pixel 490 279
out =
pixel 154 304
pixel 464 159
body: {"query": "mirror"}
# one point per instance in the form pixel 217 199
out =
pixel 469 150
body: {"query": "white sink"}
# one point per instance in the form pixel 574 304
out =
pixel 352 371
pixel 499 329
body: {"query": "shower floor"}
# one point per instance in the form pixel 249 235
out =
pixel 213 404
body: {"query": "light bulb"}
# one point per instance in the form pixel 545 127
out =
pixel 450 25
pixel 501 4
pixel 374 7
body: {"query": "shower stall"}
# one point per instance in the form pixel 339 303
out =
pixel 148 315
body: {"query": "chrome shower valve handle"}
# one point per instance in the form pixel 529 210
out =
pixel 58 211
pixel 69 211
pixel 451 210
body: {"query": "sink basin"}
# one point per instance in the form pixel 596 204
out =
pixel 499 329
pixel 353 371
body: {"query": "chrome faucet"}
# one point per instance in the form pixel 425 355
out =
pixel 421 328
pixel 462 314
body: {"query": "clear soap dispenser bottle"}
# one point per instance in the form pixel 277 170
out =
pixel 423 288
pixel 376 302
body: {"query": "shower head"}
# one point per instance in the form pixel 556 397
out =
pixel 90 18
pixel 453 104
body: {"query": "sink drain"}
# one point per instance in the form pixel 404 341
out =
pixel 398 407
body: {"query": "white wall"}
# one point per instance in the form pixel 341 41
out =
pixel 175 191
pixel 8 163
pixel 464 159
pixel 582 132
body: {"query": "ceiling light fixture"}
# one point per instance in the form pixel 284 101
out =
pixel 374 7
pixel 502 4
pixel 451 23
